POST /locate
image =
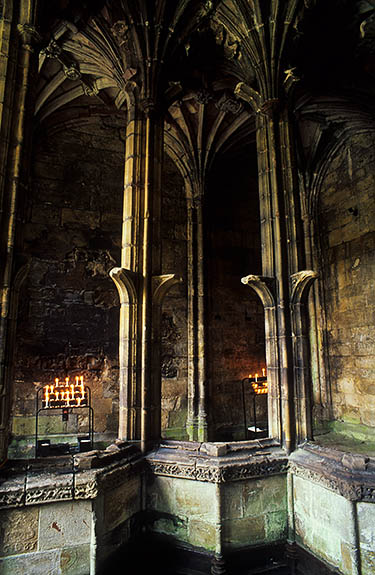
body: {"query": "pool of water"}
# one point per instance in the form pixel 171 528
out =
pixel 161 556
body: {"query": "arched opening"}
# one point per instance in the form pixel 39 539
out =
pixel 173 336
pixel 68 314
pixel 235 315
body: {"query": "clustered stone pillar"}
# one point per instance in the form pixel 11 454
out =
pixel 18 36
pixel 283 288
pixel 141 286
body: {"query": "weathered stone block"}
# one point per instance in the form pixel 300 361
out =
pixel 32 564
pixel 65 524
pixel 18 531
pixel 75 560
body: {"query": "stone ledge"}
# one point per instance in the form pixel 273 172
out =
pixel 65 478
pixel 350 475
pixel 218 462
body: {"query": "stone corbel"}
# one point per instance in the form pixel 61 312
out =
pixel 248 94
pixel 161 285
pixel 301 283
pixel 126 283
pixel 264 287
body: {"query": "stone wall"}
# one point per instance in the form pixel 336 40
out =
pixel 347 234
pixel 69 309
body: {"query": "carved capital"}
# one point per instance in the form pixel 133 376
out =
pixel 203 96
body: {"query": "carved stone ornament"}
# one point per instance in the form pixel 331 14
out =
pixel 72 72
pixel 120 30
pixel 228 104
pixel 53 50
pixel 90 89
pixel 203 96
pixel 83 476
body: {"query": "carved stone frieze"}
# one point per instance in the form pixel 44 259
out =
pixel 331 470
pixel 216 469
pixel 45 495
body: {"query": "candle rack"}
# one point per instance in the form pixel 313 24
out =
pixel 64 397
pixel 258 388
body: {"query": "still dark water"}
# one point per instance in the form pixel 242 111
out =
pixel 156 556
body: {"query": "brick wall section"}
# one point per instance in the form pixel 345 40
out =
pixel 347 229
pixel 69 311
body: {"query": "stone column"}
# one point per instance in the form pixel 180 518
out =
pixel 140 285
pixel 18 62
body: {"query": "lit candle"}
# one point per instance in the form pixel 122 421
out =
pixel 67 381
pixel 250 375
pixel 256 377
pixel 56 382
pixel 82 388
pixel 46 396
pixel 263 372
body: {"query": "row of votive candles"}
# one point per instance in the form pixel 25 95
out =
pixel 65 394
pixel 257 375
